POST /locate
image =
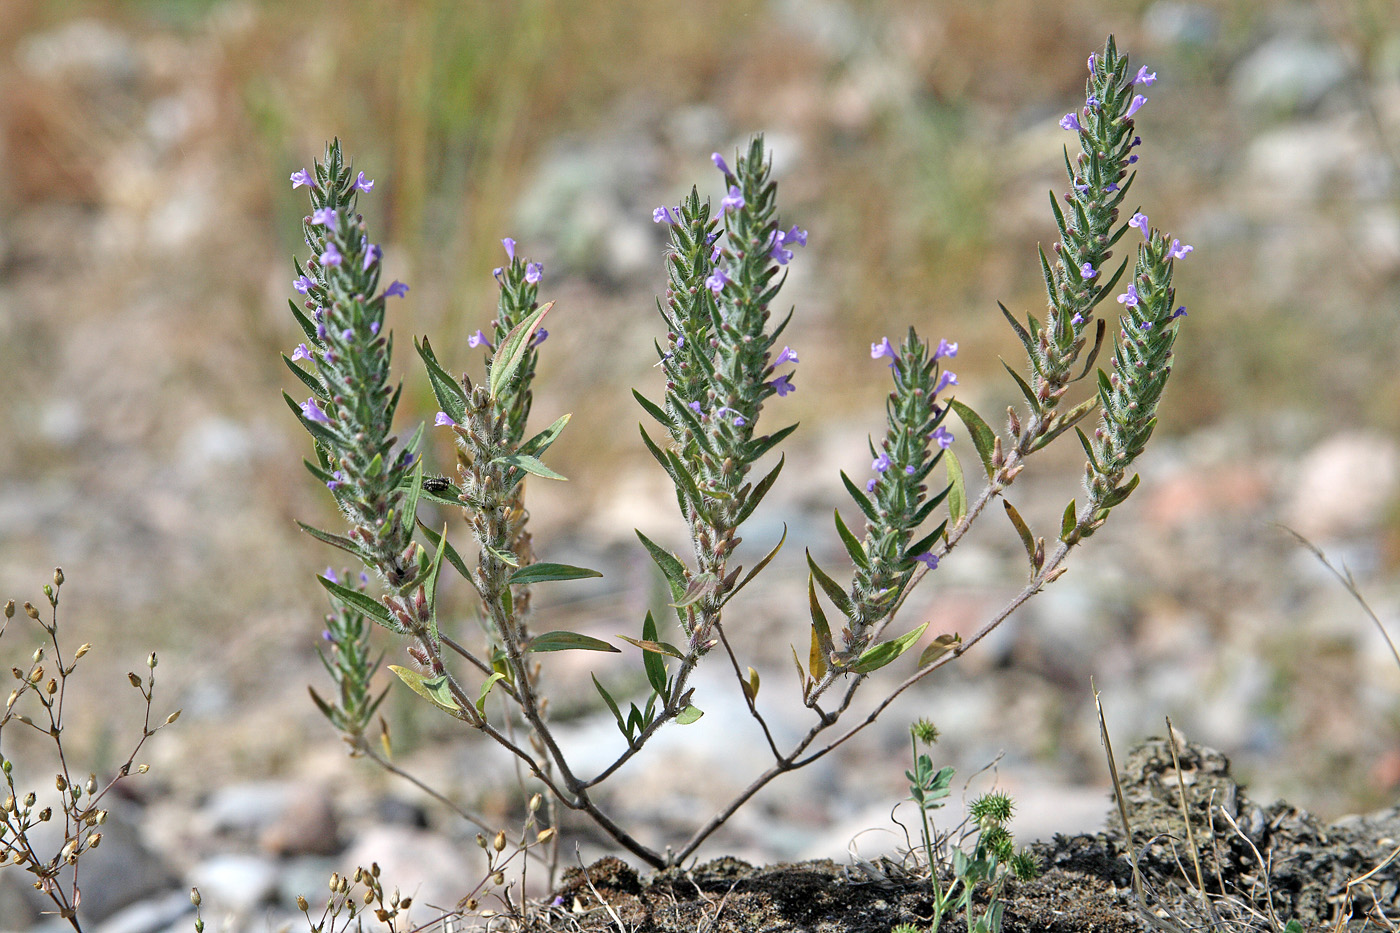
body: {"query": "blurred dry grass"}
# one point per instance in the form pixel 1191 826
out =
pixel 144 251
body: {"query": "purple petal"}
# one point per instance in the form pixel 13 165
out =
pixel 364 184
pixel 396 289
pixel 1070 122
pixel 302 177
pixel 509 244
pixel 718 159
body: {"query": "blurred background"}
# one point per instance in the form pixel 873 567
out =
pixel 147 228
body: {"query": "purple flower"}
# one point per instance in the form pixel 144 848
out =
pixel 881 463
pixel 533 271
pixel 780 253
pixel 347 335
pixel 715 254
pixel 1132 158
pixel 374 328
pixel 331 257
pixel 443 419
pixel 797 235
pixel 909 470
pixel 1178 250
pixel 1070 122
pixel 783 385
pixel 326 635
pixel 408 458
pixel 928 559
pixel 337 478
pixel 496 273
pixel 787 356
pixel 1093 57
pixel 1087 271
pixel 372 254
pixel 1144 78
pixel 717 281
pixel 882 348
pixel 739 421
pixel 478 339
pixel 870 486
pixel 1139 220
pixel 324 216
pixel 1145 325
pixel 945 349
pixel 695 407
pixel 664 214
pixel 540 337
pixel 303 284
pixel 946 380
pixel 1138 101
pixel 1077 319
pixel 732 201
pixel 302 178
pixel 1082 187
pixel 509 244
pixel 943 436
pixel 1179 312
pixel 301 352
pixel 364 184
pixel 1111 187
pixel 320 331
pixel 396 289
pixel 1129 299
pixel 718 159
pixel 313 412
pixel 331 575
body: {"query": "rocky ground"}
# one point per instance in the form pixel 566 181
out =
pixel 145 235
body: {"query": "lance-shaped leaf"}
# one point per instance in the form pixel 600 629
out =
pixel 957 489
pixel 759 566
pixel 345 544
pixel 831 588
pixel 700 586
pixel 434 573
pixel 530 465
pixel 938 648
pixel 358 601
pixel 537 445
pixel 684 482
pixel 612 706
pixel 569 641
pixel 1025 388
pixel 759 492
pixel 1066 421
pixel 1098 345
pixel 652 409
pixel 486 690
pixel 671 567
pixel 415 489
pixel 751 685
pixel 432 689
pixel 1021 332
pixel 505 364
pixel 653 647
pixel 652 650
pixel 761 445
pixel 448 393
pixel 853 546
pixel 545 572
pixel 307 379
pixel 320 432
pixel 983 437
pixel 1022 529
pixel 822 646
pixel 1067 521
pixel 449 552
pixel 861 499
pixel 872 659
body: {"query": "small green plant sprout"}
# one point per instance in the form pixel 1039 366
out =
pixel 993 856
pixel 716 430
pixel 37 702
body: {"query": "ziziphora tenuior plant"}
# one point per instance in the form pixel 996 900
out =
pixel 725 363
pixel 41 686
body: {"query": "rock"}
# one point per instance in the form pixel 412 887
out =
pixel 307 826
pixel 1174 23
pixel 248 808
pixel 1344 485
pixel 151 916
pixel 236 883
pixel 1288 74
pixel 426 866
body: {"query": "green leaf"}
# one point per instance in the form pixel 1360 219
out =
pixel 1021 333
pixel 542 441
pixel 938 648
pixel 569 641
pixel 822 645
pixel 688 715
pixel 530 465
pixel 449 552
pixel 872 659
pixel 671 567
pixel 957 492
pixel 415 489
pixel 486 690
pixel 751 685
pixel 831 588
pixel 1067 522
pixel 759 492
pixel 449 394
pixel 1022 529
pixel 320 432
pixel 983 438
pixel 612 705
pixel 652 409
pixel 345 544
pixel 1025 388
pixel 1066 421
pixel 853 547
pixel 354 599
pixel 761 445
pixel 506 557
pixel 759 566
pixel 510 354
pixel 434 689
pixel 651 659
pixel 653 647
pixel 544 573
pixel 307 379
pixel 431 587
pixel 861 499
pixel 925 543
pixel 1098 345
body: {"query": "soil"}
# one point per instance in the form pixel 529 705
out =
pixel 1262 867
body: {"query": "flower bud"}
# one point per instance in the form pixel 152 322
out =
pixel 151 661
pixel 94 840
pixel 535 802
pixel 194 896
pixel 92 784
pixel 45 814
pixel 29 799
pixel 58 576
pixel 544 835
pixel 142 769
pixel 173 716
pixel 498 878
pixel 480 839
pixel 10 804
pixel 302 905
pixel 51 687
pixel 82 650
pixel 60 782
pixel 335 880
pixel 499 843
pixel 9 608
pixel 135 681
pixel 30 611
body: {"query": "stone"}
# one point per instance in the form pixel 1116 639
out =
pixel 235 883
